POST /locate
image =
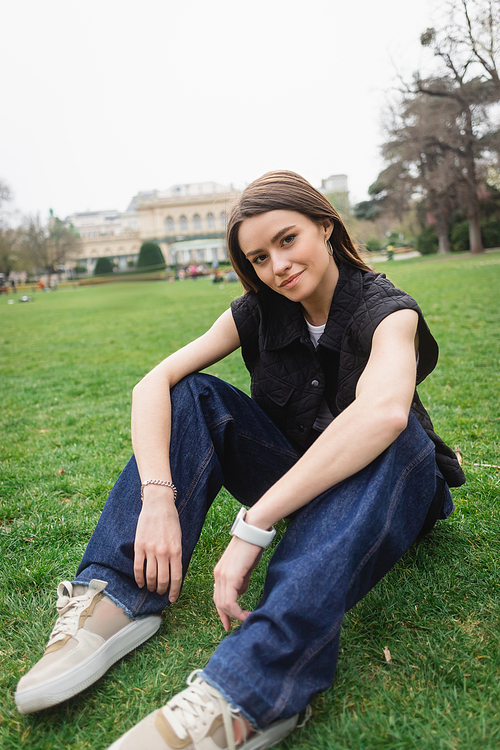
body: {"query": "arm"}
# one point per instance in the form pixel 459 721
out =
pixel 352 441
pixel 158 534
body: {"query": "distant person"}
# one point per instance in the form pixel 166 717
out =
pixel 13 286
pixel 334 438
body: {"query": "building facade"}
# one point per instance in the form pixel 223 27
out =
pixel 186 221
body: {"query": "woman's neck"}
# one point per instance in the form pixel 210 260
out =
pixel 317 307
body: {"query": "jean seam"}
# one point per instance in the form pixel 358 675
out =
pixel 206 460
pixel 311 653
pixel 203 465
pixel 196 479
pixel 315 648
pixel 141 598
pixel 267 444
pixel 221 420
pixel 251 437
pixel 390 512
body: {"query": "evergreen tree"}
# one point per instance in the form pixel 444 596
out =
pixel 150 254
pixel 103 265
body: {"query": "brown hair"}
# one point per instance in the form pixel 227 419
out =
pixel 284 190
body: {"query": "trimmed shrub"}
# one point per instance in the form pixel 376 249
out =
pixel 459 237
pixel 80 269
pixel 428 241
pixel 373 245
pixel 103 265
pixel 150 254
pixel 490 232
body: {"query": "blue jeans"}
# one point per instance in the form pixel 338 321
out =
pixel 334 551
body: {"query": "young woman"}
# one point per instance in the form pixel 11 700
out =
pixel 334 437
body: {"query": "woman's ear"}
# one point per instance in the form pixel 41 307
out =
pixel 327 225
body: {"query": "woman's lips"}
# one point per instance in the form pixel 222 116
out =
pixel 291 282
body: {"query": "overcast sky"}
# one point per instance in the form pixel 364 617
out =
pixel 103 98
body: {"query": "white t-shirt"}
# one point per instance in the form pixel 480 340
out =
pixel 325 416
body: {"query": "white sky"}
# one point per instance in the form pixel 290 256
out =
pixel 103 98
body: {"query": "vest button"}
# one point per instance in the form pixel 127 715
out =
pixel 314 383
pixel 301 428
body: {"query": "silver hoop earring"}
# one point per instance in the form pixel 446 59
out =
pixel 329 248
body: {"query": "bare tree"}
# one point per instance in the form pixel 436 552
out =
pixel 8 235
pixel 62 242
pixel 9 245
pixel 468 48
pixel 442 134
pixel 46 248
pixel 425 169
pixel 5 194
pixel 34 246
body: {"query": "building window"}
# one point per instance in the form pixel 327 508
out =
pixel 197 221
pixel 210 221
pixel 170 224
pixel 183 222
pixel 223 219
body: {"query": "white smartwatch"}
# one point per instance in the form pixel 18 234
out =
pixel 249 533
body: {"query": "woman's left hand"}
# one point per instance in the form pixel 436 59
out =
pixel 232 576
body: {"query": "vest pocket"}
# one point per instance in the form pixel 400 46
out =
pixel 275 391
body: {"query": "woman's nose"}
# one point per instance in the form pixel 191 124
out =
pixel 281 264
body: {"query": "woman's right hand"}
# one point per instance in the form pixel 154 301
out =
pixel 157 545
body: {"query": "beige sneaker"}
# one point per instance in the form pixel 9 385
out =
pixel 199 719
pixel 90 634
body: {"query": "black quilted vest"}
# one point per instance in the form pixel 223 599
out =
pixel 289 377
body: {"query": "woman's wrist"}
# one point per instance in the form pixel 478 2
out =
pixel 257 516
pixel 251 533
pixel 157 493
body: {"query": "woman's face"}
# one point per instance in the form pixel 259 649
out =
pixel 289 254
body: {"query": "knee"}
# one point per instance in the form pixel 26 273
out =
pixel 198 386
pixel 192 384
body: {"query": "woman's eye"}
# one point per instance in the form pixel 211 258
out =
pixel 288 239
pixel 259 259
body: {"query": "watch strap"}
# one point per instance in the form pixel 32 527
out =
pixel 249 533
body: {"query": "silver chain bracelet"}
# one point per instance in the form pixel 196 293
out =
pixel 161 482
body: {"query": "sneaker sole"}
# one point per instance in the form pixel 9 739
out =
pixel 271 735
pixel 70 683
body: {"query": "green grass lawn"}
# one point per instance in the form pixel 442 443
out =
pixel 69 361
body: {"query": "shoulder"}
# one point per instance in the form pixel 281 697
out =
pixel 379 292
pixel 245 304
pixel 247 314
pixel 379 299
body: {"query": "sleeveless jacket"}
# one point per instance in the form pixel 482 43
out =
pixel 289 377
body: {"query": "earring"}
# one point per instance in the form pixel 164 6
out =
pixel 329 248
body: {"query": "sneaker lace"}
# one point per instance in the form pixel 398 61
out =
pixel 69 608
pixel 200 703
pixel 307 715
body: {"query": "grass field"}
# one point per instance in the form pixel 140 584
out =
pixel 69 361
